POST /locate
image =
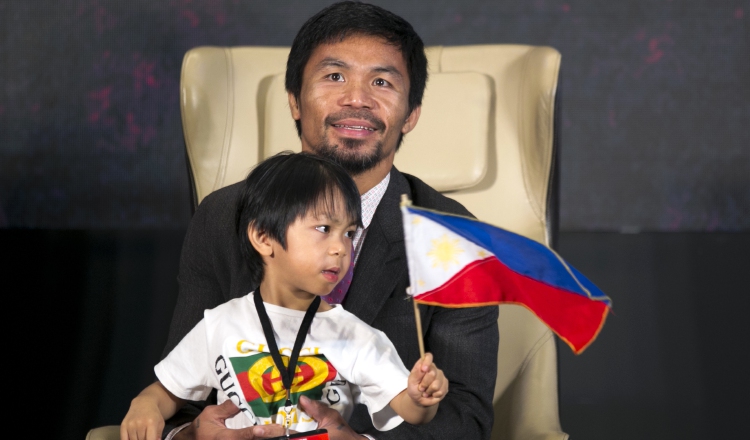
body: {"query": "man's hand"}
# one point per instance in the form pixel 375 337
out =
pixel 209 425
pixel 328 419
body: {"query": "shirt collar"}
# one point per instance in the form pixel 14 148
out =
pixel 371 199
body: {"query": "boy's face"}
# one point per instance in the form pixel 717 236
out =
pixel 317 256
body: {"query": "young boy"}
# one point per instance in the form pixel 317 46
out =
pixel 295 220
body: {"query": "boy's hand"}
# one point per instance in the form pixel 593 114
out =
pixel 142 422
pixel 427 384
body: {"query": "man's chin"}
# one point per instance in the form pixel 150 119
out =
pixel 353 155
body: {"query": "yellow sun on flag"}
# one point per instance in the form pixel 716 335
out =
pixel 444 251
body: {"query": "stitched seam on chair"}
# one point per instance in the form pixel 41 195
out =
pixel 522 141
pixel 229 123
pixel 537 208
pixel 539 343
pixel 550 146
pixel 188 151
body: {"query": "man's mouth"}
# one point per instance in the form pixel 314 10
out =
pixel 355 120
pixel 353 127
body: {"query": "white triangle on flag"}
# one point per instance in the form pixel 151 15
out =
pixel 435 253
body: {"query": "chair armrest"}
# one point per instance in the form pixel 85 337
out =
pixel 526 404
pixel 110 432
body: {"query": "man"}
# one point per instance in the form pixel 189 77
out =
pixel 355 77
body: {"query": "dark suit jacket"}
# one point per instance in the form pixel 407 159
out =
pixel 463 341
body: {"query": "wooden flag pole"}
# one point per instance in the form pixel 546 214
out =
pixel 406 202
pixel 419 328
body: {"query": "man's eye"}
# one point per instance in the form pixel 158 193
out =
pixel 324 229
pixel 336 77
pixel 380 82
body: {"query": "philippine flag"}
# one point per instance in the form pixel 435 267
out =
pixel 461 262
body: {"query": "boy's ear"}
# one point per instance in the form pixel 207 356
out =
pixel 260 241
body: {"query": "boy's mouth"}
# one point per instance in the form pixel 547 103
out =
pixel 332 274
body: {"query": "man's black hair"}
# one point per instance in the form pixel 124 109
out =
pixel 348 18
pixel 284 188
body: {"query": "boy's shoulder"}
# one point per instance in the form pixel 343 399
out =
pixel 241 305
pixel 345 319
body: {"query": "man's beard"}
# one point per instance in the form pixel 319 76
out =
pixel 346 154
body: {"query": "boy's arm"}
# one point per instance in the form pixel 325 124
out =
pixel 426 387
pixel 148 410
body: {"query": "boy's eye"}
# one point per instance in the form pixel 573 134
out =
pixel 350 234
pixel 325 229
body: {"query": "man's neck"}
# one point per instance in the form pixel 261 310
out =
pixel 367 180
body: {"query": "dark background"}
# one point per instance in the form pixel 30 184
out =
pixel 655 194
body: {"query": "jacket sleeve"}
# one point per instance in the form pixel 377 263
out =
pixel 464 344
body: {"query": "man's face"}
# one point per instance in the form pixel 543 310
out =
pixel 353 106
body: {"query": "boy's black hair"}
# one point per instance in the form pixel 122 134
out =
pixel 347 18
pixel 285 187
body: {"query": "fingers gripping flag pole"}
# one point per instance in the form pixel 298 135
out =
pixel 461 262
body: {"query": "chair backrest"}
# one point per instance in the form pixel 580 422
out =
pixel 486 137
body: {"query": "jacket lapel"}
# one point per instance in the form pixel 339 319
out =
pixel 382 262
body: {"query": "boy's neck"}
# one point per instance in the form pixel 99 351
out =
pixel 289 300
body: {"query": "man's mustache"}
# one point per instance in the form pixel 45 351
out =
pixel 377 123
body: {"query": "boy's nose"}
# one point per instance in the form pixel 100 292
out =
pixel 339 248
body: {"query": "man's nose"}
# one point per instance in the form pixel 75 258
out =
pixel 357 94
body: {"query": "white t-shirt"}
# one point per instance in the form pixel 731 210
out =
pixel 342 362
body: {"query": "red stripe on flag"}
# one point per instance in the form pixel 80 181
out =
pixel 576 319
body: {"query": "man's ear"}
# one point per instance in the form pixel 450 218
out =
pixel 294 106
pixel 411 120
pixel 260 241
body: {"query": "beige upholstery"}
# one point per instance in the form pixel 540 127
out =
pixel 111 432
pixel 485 138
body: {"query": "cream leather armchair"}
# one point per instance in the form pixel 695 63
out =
pixel 486 137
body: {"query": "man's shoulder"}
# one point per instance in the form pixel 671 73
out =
pixel 220 203
pixel 425 196
pixel 227 194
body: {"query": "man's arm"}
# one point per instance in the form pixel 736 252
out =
pixel 464 343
